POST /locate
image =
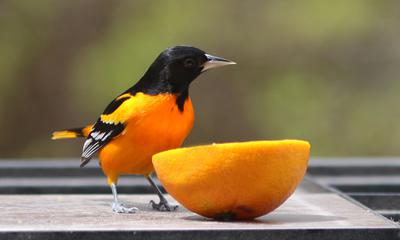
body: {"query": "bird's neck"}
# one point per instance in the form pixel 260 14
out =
pixel 154 84
pixel 181 99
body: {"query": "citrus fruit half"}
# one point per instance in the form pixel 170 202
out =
pixel 233 181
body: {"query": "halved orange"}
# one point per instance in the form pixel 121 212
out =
pixel 233 181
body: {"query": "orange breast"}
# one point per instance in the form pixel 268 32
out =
pixel 155 125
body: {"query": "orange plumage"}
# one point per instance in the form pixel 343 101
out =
pixel 155 125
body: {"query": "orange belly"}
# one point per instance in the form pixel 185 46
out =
pixel 158 126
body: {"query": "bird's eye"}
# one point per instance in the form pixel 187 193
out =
pixel 189 63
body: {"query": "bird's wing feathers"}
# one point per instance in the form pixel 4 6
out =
pixel 109 126
pixel 101 134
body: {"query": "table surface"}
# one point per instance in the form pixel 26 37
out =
pixel 312 212
pixel 93 212
pixel 50 216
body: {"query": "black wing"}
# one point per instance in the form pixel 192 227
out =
pixel 102 132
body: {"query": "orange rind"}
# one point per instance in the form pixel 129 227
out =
pixel 233 181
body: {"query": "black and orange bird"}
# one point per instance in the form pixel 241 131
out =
pixel 154 115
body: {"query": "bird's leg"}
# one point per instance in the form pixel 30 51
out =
pixel 163 205
pixel 117 206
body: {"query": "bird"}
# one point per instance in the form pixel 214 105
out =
pixel 154 115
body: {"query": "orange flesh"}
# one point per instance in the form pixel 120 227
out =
pixel 234 180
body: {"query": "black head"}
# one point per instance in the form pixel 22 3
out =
pixel 181 65
pixel 175 68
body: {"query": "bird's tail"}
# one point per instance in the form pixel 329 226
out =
pixel 72 133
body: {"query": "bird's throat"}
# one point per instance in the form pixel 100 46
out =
pixel 182 97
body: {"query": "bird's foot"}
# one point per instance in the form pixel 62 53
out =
pixel 163 206
pixel 120 208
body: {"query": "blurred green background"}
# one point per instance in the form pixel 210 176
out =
pixel 325 71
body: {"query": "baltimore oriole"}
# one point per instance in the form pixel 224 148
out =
pixel 154 115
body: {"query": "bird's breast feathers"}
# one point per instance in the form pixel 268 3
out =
pixel 141 107
pixel 134 120
pixel 151 124
pixel 151 119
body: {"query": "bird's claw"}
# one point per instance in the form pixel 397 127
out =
pixel 120 208
pixel 163 206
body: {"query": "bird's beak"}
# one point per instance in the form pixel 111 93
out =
pixel 214 62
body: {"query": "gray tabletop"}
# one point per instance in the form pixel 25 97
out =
pixel 313 212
